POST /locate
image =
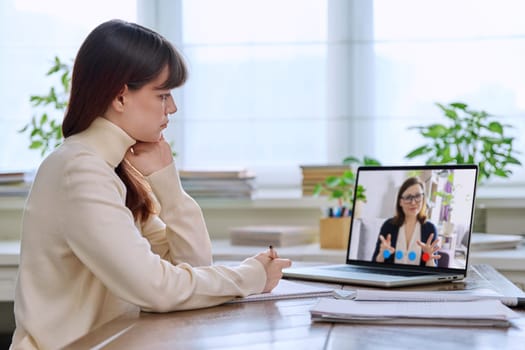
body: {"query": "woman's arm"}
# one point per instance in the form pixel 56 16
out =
pixel 186 236
pixel 186 232
pixel 384 243
pixel 430 244
pixel 101 232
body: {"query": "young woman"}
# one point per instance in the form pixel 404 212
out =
pixel 408 238
pixel 107 227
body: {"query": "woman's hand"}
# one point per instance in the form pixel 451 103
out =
pixel 273 265
pixel 429 250
pixel 149 157
pixel 386 245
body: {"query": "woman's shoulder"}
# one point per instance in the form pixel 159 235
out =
pixel 389 223
pixel 428 226
pixel 75 159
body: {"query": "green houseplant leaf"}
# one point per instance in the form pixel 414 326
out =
pixel 45 133
pixel 342 187
pixel 470 137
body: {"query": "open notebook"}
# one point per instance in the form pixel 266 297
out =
pixel 444 194
pixel 288 290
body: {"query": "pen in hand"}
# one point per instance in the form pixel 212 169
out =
pixel 273 253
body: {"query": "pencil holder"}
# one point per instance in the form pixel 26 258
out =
pixel 334 232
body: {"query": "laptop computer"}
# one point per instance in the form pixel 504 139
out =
pixel 440 198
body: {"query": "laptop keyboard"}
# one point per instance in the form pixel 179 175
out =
pixel 364 269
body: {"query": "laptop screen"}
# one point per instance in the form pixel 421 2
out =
pixel 413 216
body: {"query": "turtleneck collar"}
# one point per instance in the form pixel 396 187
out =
pixel 106 139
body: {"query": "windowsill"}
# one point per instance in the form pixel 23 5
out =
pixel 487 197
pixel 500 197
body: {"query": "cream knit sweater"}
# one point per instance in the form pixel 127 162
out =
pixel 84 261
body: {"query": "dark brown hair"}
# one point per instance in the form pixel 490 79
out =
pixel 399 218
pixel 116 54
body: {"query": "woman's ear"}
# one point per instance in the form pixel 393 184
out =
pixel 119 100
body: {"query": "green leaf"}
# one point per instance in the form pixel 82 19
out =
pixel 459 105
pixel 332 181
pixel 36 144
pixel 360 193
pixel 496 127
pixel 436 131
pixel 351 160
pixel 370 161
pixel 500 172
pixel 337 193
pixel 450 113
pixel 512 160
pixel 317 189
pixel 418 152
pixel 65 81
pixel 348 175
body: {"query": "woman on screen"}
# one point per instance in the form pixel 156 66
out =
pixel 107 227
pixel 408 238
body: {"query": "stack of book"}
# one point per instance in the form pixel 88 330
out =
pixel 275 235
pixel 235 183
pixel 315 174
pixel 14 183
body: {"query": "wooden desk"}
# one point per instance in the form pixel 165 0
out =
pixel 286 324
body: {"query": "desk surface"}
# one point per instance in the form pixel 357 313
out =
pixel 286 324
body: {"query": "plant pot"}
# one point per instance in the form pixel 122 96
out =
pixel 334 233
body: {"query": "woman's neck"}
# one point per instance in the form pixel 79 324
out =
pixel 410 220
pixel 410 224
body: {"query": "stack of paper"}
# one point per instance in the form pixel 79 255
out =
pixel 12 177
pixel 449 313
pixel 234 183
pixel 13 183
pixel 276 235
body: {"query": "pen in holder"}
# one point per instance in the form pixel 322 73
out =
pixel 334 232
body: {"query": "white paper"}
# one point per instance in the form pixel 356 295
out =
pixel 287 290
pixel 385 295
pixel 382 310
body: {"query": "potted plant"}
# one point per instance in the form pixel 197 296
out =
pixel 342 187
pixel 471 137
pixel 335 228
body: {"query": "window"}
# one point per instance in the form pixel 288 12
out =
pixel 275 84
pixel 445 51
pixel 32 33
pixel 278 83
pixel 256 93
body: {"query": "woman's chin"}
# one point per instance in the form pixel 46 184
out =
pixel 151 139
